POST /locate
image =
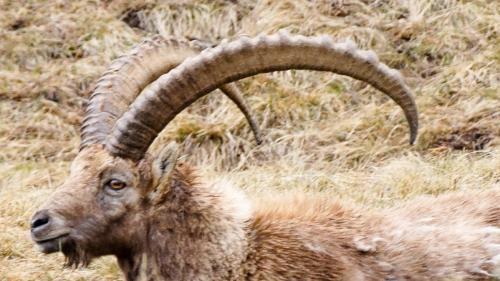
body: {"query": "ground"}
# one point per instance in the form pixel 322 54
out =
pixel 322 133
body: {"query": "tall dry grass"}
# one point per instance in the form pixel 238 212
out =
pixel 323 133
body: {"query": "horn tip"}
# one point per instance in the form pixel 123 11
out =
pixel 258 140
pixel 413 134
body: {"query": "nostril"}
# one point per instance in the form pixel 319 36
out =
pixel 39 220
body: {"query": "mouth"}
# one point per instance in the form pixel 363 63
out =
pixel 53 244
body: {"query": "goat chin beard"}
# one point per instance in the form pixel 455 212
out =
pixel 76 257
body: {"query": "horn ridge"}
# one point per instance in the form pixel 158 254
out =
pixel 246 57
pixel 129 74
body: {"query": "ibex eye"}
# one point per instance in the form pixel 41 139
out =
pixel 116 184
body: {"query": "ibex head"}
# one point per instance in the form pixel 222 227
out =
pixel 103 206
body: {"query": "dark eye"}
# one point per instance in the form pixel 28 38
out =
pixel 115 184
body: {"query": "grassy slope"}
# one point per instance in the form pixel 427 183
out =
pixel 323 133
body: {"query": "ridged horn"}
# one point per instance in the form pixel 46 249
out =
pixel 129 74
pixel 245 57
pixel 233 93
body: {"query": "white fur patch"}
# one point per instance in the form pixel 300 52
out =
pixel 385 266
pixel 235 199
pixel 490 230
pixel 315 247
pixel 480 271
pixel 495 272
pixel 366 245
pixel 426 220
pixel 495 261
pixel 493 249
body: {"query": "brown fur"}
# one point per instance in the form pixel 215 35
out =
pixel 213 232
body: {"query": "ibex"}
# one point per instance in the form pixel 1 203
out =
pixel 162 223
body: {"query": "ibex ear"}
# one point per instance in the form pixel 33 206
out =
pixel 162 168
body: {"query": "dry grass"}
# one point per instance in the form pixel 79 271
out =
pixel 323 133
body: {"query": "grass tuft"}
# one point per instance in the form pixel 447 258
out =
pixel 322 133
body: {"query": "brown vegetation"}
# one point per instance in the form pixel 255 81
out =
pixel 322 133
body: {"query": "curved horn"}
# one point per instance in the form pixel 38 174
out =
pixel 197 76
pixel 232 92
pixel 128 75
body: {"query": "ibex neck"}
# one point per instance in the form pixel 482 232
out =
pixel 135 267
pixel 198 233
